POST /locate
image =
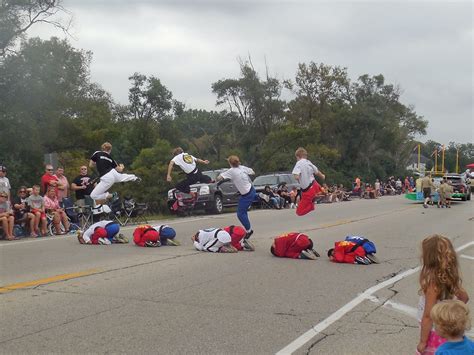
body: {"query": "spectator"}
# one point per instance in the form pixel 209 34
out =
pixel 275 199
pixel 406 185
pixel 412 182
pixel 377 188
pixel 284 194
pixel 21 210
pixel 6 216
pixel 294 195
pixel 63 187
pixel 82 185
pixel 36 203
pixel 357 183
pixel 369 191
pixel 49 180
pixel 4 182
pixel 51 203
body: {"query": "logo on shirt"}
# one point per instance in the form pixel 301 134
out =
pixel 188 158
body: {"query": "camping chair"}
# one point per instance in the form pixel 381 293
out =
pixel 71 211
pixel 134 212
pixel 117 211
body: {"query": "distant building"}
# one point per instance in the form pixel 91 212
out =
pixel 413 163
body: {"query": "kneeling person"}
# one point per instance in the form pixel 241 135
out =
pixel 295 246
pixel 238 241
pixel 214 240
pixel 349 252
pixel 154 236
pixel 103 232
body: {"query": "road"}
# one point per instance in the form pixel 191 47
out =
pixel 62 297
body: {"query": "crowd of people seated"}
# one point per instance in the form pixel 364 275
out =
pixel 382 188
pixel 30 208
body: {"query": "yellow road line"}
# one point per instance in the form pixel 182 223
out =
pixel 74 275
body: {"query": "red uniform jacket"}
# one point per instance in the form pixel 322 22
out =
pixel 145 233
pixel 291 245
pixel 237 233
pixel 343 252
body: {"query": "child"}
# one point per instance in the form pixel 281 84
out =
pixel 348 252
pixel 304 172
pixel 213 240
pixel 36 204
pixel 7 219
pixel 237 235
pixel 451 319
pixel 442 194
pixel 154 236
pixel 439 280
pixel 109 171
pixel 294 245
pixel 239 175
pixel 103 232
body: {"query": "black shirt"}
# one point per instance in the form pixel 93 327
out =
pixel 82 180
pixel 17 200
pixel 104 162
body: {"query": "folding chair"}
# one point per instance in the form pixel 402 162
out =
pixel 134 212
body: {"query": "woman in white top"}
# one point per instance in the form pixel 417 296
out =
pixel 239 175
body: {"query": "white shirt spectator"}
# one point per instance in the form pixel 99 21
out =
pixel 185 161
pixel 240 177
pixel 212 239
pixel 5 185
pixel 306 170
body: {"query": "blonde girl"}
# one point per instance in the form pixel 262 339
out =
pixel 439 280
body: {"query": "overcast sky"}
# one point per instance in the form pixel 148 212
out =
pixel 425 47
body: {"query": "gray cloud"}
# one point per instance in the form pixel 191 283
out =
pixel 425 47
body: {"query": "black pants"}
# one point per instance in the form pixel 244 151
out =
pixel 191 179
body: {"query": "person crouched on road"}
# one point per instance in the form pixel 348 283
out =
pixel 348 252
pixel 103 232
pixel 154 236
pixel 214 240
pixel 294 245
pixel 238 241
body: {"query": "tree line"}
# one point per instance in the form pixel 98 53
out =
pixel 48 103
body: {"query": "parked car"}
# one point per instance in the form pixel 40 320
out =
pixel 460 186
pixel 213 197
pixel 274 180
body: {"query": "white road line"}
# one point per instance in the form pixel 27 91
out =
pixel 467 256
pixel 367 294
pixel 57 237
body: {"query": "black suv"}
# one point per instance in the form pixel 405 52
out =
pixel 274 180
pixel 213 197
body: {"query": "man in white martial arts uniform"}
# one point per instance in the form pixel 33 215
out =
pixel 103 232
pixel 109 171
pixel 214 240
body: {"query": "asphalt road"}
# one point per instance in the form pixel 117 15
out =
pixel 57 296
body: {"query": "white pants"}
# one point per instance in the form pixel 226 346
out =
pixel 106 182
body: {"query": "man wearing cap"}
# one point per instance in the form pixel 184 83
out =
pixel 214 240
pixel 4 182
pixel 103 232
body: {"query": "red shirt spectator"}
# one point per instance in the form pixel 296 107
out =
pixel 49 180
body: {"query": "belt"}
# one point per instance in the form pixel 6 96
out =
pixel 309 186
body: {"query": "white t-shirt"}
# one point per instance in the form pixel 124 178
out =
pixel 306 170
pixel 240 177
pixel 185 161
pixel 5 184
pixel 89 231
pixel 211 241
